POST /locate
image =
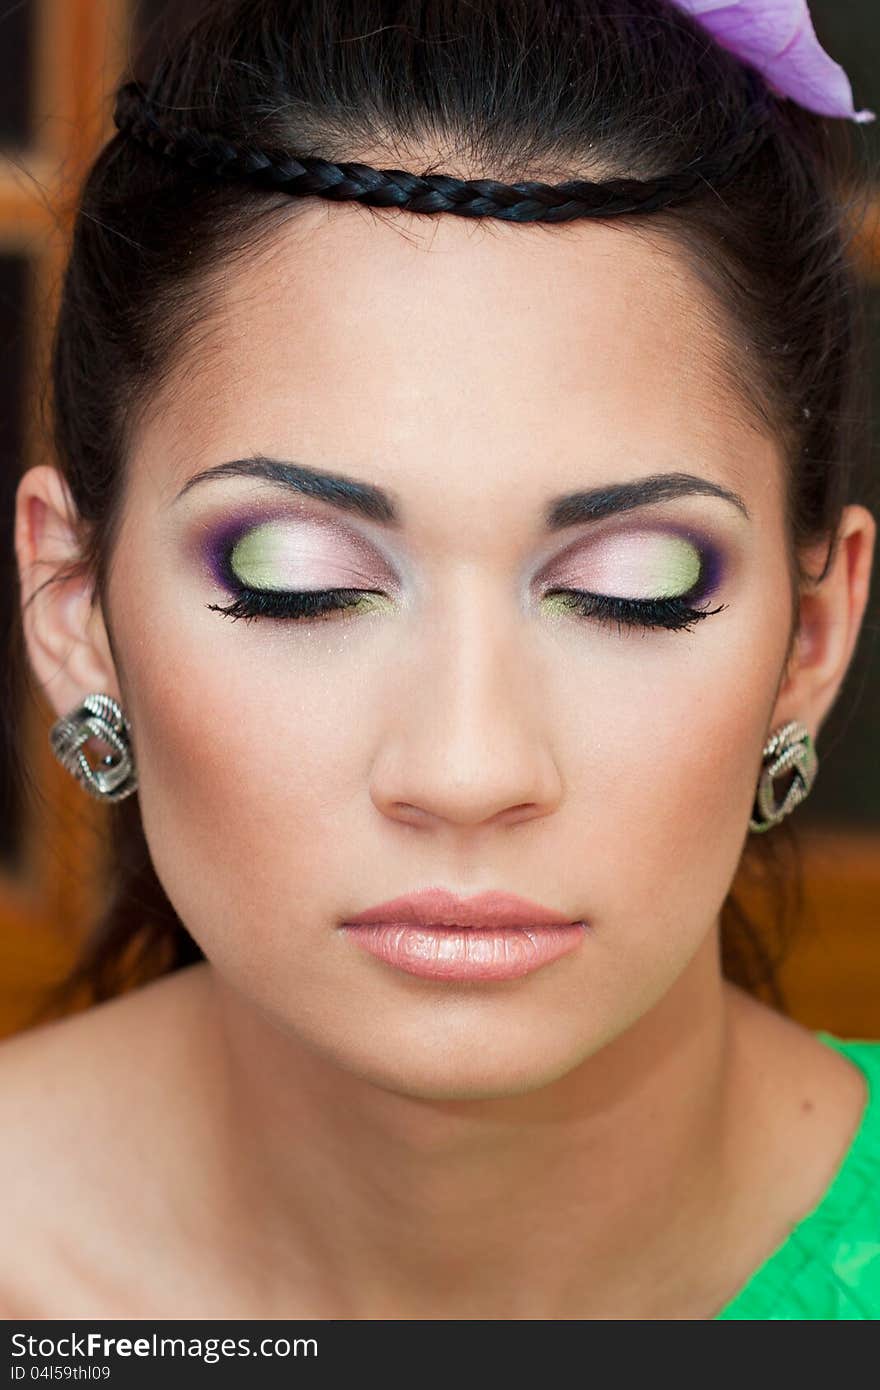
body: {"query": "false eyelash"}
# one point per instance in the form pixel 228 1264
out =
pixel 288 603
pixel 673 614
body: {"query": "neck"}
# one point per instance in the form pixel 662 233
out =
pixel 583 1198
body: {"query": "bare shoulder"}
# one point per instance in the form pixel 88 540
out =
pixel 55 1073
pixel 77 1096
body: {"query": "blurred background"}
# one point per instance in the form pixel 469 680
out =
pixel 60 61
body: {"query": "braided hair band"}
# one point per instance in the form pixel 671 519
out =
pixel 215 156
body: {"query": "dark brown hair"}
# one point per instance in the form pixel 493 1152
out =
pixel 258 102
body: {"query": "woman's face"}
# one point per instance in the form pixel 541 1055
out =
pixel 461 728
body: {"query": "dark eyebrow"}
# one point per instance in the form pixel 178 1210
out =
pixel 595 502
pixel 374 503
pixel 347 493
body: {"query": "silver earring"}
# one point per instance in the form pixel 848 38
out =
pixel 789 748
pixel 97 716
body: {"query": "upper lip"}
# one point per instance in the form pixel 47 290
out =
pixel 437 907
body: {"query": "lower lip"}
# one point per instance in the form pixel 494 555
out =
pixel 467 953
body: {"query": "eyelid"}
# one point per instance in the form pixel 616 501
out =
pixel 393 568
pixel 218 541
pixel 638 565
pixel 270 556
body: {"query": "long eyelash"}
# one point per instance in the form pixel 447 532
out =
pixel 284 603
pixel 672 613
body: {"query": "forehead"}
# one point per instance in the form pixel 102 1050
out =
pixel 365 339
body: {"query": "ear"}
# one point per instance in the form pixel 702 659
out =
pixel 64 630
pixel 830 621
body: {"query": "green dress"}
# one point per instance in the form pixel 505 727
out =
pixel 829 1265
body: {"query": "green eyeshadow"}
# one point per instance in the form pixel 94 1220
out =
pixel 670 568
pixel 637 567
pixel 261 557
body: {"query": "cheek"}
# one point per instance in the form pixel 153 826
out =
pixel 663 766
pixel 247 770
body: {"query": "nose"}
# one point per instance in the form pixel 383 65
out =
pixel 467 737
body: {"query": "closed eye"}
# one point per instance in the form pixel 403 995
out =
pixel 293 604
pixel 674 614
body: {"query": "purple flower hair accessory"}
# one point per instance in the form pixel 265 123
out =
pixel 777 37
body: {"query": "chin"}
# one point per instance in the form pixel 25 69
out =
pixel 477 1063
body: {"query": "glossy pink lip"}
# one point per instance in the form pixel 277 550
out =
pixel 493 936
pixel 436 907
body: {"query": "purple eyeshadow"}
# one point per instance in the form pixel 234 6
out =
pixel 220 541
